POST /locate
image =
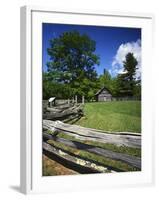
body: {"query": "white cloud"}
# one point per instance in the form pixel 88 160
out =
pixel 123 50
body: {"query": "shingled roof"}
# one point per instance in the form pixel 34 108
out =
pixel 99 91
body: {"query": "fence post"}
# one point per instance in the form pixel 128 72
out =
pixel 76 99
pixel 82 99
pixel 73 100
pixel 68 101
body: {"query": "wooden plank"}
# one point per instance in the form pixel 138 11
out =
pixel 93 134
pixel 131 160
pixel 77 164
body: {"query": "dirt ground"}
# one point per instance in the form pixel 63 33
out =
pixel 52 168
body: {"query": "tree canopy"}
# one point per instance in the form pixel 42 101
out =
pixel 72 62
pixel 72 57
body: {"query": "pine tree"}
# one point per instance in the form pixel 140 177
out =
pixel 126 81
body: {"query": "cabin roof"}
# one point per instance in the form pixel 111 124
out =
pixel 99 91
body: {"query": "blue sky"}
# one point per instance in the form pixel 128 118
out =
pixel 112 44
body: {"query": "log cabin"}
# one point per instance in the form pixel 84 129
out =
pixel 103 94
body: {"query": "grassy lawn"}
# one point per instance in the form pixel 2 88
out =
pixel 112 116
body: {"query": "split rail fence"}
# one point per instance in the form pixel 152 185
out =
pixel 65 150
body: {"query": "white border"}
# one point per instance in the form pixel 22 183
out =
pixel 31 104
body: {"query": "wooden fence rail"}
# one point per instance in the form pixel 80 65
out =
pixel 51 129
pixel 63 113
pixel 132 160
pixel 82 133
pixel 72 162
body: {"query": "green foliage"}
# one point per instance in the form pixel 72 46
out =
pixel 114 87
pixel 109 82
pixel 137 90
pixel 130 64
pixel 72 66
pixel 126 81
pixel 105 79
pixel 73 55
pixel 53 88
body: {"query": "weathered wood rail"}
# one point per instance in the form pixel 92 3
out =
pixel 82 134
pixel 72 162
pixel 132 160
pixel 63 113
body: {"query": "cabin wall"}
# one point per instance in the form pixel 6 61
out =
pixel 104 96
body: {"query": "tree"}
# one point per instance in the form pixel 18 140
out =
pixel 137 89
pixel 52 88
pixel 72 56
pixel 105 79
pixel 126 80
pixel 109 82
pixel 72 61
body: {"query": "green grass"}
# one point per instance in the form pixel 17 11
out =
pixel 112 116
